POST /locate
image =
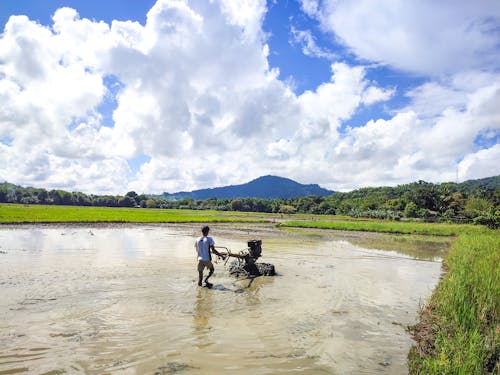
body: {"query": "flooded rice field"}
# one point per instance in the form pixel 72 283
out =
pixel 124 300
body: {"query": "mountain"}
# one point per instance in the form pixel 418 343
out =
pixel 269 187
pixel 485 184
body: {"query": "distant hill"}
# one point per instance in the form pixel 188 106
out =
pixel 269 187
pixel 487 184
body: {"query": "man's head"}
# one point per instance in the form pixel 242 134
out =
pixel 205 230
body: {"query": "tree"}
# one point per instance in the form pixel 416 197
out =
pixel 490 218
pixel 126 201
pixel 455 202
pixel 326 207
pixel 104 200
pixel 186 203
pixel 81 199
pixel 60 197
pixel 132 195
pixel 287 209
pixel 4 193
pixel 237 205
pixel 151 203
pixel 411 210
pixel 476 206
pixel 42 195
pixel 425 195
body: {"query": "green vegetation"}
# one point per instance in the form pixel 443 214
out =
pixel 459 330
pixel 476 201
pixel 382 226
pixel 17 213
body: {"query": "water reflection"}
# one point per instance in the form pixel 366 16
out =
pixel 203 310
pixel 125 301
pixel 421 247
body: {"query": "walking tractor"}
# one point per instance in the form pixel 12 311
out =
pixel 246 261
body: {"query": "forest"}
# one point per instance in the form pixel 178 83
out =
pixel 474 201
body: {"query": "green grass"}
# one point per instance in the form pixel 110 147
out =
pixel 17 213
pixel 384 226
pixel 463 313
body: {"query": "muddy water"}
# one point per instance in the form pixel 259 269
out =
pixel 124 300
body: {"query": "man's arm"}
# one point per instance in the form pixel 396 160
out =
pixel 212 247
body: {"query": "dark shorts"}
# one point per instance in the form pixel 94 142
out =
pixel 205 263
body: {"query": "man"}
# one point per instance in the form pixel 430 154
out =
pixel 204 246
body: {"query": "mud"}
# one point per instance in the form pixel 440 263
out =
pixel 123 299
pixel 242 269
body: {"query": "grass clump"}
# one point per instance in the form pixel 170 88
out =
pixel 459 329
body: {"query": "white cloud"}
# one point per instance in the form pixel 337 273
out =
pixel 412 146
pixel 247 14
pixel 479 164
pixel 336 100
pixel 310 7
pixel 425 37
pixel 375 94
pixel 305 39
pixel 193 85
pixel 198 100
pixel 433 98
pixel 456 47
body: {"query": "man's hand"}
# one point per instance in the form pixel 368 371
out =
pixel 221 256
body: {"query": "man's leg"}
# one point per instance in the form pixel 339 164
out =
pixel 200 273
pixel 211 271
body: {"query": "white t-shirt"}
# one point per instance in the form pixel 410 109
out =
pixel 203 247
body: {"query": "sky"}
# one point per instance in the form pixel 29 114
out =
pixel 111 96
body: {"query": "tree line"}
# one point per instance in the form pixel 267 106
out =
pixel 475 201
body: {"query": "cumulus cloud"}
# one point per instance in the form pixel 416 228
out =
pixel 412 146
pixel 425 37
pixel 44 92
pixel 198 101
pixel 480 164
pixel 456 47
pixel 179 72
pixel 197 93
pixel 376 94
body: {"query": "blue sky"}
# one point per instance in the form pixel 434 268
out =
pixel 168 95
